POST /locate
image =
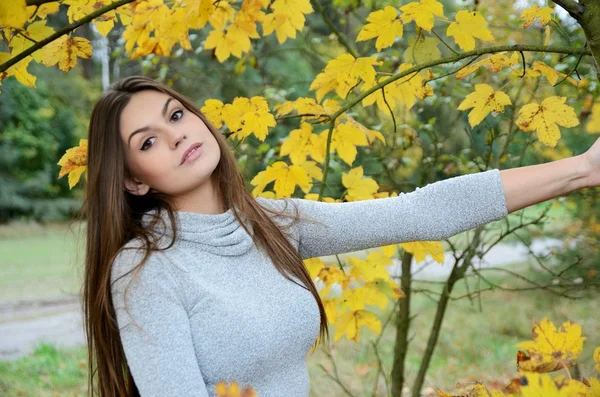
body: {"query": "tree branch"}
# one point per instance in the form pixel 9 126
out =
pixel 572 7
pixel 67 29
pixel 425 65
pixel 335 30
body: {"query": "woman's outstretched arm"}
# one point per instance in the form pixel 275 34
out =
pixel 433 212
pixel 525 186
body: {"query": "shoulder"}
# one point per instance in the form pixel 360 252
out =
pixel 130 256
pixel 286 205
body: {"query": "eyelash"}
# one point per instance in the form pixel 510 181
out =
pixel 144 144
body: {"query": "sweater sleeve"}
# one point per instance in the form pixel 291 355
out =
pixel 434 212
pixel 155 334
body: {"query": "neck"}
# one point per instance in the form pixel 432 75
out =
pixel 202 200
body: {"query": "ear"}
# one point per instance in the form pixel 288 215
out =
pixel 136 187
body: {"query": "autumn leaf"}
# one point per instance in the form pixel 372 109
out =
pixel 421 49
pixel 244 116
pixel 343 73
pixel 359 188
pixel 233 389
pixel 213 109
pixel 422 13
pixel 597 358
pixel 298 144
pixel 468 26
pixel 346 137
pixel 373 267
pixel 536 12
pixel 551 345
pixel 65 51
pixel 484 101
pixel 350 323
pixel 286 19
pixel 420 250
pixel 13 14
pixel 593 125
pixel 74 162
pixel 525 363
pixel 546 117
pixel 286 178
pixel 404 91
pixel 383 24
pixel 19 70
pixel 360 297
pixel 493 63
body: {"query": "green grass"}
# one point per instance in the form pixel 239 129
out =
pixel 48 371
pixel 38 262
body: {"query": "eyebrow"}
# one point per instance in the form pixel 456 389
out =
pixel 146 128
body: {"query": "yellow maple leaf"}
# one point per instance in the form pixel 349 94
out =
pixel 373 267
pixel 597 358
pixel 213 110
pixel 13 14
pixel 65 51
pixel 494 63
pixel 360 297
pixel 540 68
pixel 545 118
pixel 536 12
pixel 286 19
pixel 468 25
pixel 36 31
pixel 404 90
pixel 331 306
pixel 593 125
pixel 595 386
pixel 43 10
pixel 350 323
pixel 369 133
pixel 422 13
pixel 420 250
pixel 325 199
pixel 314 266
pixel 484 101
pixel 421 49
pixel 286 178
pixel 312 169
pixel 343 73
pixel 19 70
pixel 359 188
pixel 233 389
pixel 298 143
pixel 235 41
pixel 80 8
pixel 74 162
pixel 549 345
pixel 346 137
pixel 245 116
pixel 383 24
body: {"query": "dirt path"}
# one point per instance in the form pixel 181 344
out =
pixel 23 325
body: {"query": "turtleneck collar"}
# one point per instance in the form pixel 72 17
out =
pixel 219 234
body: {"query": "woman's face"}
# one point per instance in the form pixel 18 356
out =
pixel 156 130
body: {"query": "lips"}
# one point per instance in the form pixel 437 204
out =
pixel 192 147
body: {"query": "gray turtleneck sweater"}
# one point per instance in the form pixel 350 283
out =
pixel 214 308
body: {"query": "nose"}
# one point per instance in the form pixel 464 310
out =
pixel 176 137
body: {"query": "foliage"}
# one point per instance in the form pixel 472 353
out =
pixel 512 98
pixel 551 350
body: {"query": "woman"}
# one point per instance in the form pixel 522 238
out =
pixel 190 281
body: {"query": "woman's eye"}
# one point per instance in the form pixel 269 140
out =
pixel 144 145
pixel 180 111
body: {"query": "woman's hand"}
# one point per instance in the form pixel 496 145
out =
pixel 591 164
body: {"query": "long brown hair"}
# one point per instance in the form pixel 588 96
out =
pixel 113 218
